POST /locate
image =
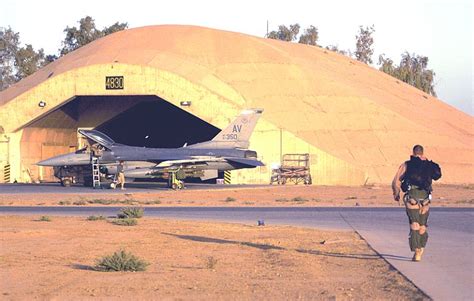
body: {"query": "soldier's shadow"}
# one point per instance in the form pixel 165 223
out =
pixel 396 257
pixel 356 256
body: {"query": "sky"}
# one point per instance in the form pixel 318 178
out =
pixel 442 30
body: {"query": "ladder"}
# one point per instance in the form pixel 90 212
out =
pixel 95 172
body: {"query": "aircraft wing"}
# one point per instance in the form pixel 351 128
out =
pixel 190 161
pixel 246 161
pixel 205 160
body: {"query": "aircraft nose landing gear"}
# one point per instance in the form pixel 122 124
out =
pixel 178 185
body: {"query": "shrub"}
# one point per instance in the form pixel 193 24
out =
pixel 211 262
pixel 121 261
pixel 44 218
pixel 95 218
pixel 102 201
pixel 229 199
pixel 112 202
pixel 129 201
pixel 281 200
pixel 299 199
pixel 79 203
pixel 125 222
pixel 152 202
pixel 62 203
pixel 131 212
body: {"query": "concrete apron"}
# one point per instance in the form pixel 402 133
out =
pixel 445 272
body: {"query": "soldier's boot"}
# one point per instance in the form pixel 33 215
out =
pixel 417 255
pixel 423 241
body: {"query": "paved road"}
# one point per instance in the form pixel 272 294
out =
pixel 447 269
pixel 130 188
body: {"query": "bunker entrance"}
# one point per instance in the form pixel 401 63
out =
pixel 137 120
pixel 157 124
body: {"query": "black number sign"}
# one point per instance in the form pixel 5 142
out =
pixel 114 82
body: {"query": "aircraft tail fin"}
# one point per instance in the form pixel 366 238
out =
pixel 237 133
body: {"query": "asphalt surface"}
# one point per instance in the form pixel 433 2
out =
pixel 445 273
pixel 130 187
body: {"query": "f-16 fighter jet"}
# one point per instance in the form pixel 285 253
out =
pixel 226 151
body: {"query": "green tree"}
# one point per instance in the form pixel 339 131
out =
pixel 310 36
pixel 86 33
pixel 9 44
pixel 387 66
pixel 49 59
pixel 28 61
pixel 114 28
pixel 284 33
pixel 335 48
pixel 17 62
pixel 413 70
pixel 364 42
pixel 77 37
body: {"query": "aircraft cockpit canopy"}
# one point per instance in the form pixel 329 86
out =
pixel 98 137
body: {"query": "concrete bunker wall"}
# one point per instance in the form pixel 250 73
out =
pixel 216 105
pixel 42 143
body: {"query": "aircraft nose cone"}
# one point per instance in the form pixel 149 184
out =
pixel 67 159
pixel 48 162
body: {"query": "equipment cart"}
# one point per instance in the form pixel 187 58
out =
pixel 294 168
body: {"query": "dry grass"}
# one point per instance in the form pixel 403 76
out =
pixel 96 218
pixel 211 262
pixel 44 218
pixel 230 199
pixel 125 222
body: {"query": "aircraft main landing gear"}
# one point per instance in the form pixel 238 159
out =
pixel 175 180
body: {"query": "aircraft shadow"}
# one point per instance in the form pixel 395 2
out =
pixel 224 241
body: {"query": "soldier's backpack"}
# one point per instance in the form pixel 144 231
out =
pixel 420 173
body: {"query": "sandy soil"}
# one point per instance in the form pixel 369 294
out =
pixel 443 195
pixel 54 260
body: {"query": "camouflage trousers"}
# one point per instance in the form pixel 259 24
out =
pixel 416 239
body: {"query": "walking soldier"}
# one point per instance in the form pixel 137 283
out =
pixel 414 178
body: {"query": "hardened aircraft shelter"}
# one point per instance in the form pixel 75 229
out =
pixel 164 86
